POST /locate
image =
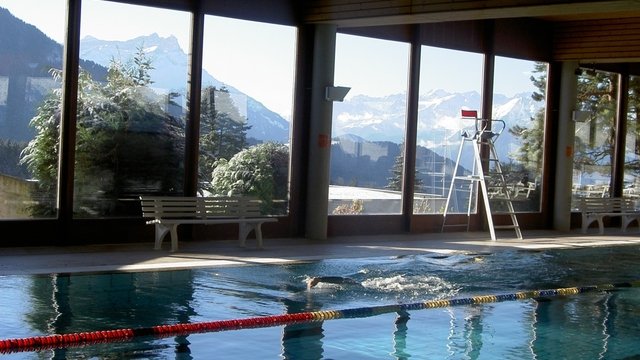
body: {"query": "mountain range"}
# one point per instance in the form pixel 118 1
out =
pixel 170 73
pixel 375 123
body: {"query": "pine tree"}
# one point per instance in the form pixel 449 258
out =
pixel 123 134
pixel 632 164
pixel 223 130
pixel 595 95
pixel 531 150
pixel 397 171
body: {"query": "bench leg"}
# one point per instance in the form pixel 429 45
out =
pixel 586 221
pixel 161 232
pixel 258 230
pixel 245 230
pixel 627 220
pixel 600 225
pixel 174 237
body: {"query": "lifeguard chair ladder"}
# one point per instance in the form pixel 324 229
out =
pixel 483 137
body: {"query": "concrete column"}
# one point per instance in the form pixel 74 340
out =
pixel 566 139
pixel 324 50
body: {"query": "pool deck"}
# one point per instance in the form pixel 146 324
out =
pixel 141 256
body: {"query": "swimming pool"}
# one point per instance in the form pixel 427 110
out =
pixel 593 325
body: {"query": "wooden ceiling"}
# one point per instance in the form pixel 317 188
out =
pixel 354 13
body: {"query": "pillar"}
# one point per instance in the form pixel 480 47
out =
pixel 320 132
pixel 564 156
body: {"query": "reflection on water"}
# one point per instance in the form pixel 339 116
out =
pixel 595 325
pixel 78 303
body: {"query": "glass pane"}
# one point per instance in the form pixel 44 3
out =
pixel 31 34
pixel 594 134
pixel 632 153
pixel 450 81
pixel 519 104
pixel 247 97
pixel 368 127
pixel 131 106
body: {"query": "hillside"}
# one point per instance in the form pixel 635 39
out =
pixel 26 57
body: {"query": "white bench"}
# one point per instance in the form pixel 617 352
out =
pixel 168 212
pixel 596 208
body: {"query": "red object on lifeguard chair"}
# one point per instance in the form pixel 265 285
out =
pixel 469 113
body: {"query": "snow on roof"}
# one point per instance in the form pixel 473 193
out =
pixel 352 192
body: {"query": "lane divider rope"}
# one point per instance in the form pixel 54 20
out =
pixel 38 343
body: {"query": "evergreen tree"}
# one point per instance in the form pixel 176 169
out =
pixel 531 150
pixel 126 143
pixel 223 130
pixel 596 95
pixel 397 171
pixel 632 164
pixel 261 170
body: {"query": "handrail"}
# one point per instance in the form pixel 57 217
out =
pixel 483 132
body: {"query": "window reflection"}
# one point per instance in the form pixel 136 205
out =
pixel 632 152
pixel 30 61
pixel 519 100
pixel 247 87
pixel 594 134
pixel 131 107
pixel 450 80
pixel 368 128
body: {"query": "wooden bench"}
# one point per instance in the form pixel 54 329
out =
pixel 168 212
pixel 596 208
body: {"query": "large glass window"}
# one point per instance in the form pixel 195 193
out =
pixel 450 81
pixel 519 106
pixel 368 128
pixel 247 95
pixel 131 106
pixel 632 153
pixel 31 34
pixel 594 133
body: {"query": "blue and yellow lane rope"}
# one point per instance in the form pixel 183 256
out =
pixel 38 343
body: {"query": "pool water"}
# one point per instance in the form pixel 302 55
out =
pixel 592 325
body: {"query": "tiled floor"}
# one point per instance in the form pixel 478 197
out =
pixel 141 256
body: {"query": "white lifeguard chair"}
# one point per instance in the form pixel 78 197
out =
pixel 484 137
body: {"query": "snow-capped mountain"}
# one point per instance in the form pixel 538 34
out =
pixel 170 73
pixel 370 118
pixel 383 118
pixel 439 120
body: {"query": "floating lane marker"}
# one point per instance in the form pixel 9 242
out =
pixel 38 343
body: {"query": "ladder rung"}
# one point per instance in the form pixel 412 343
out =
pixel 506 227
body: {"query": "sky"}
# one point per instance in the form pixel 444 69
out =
pixel 371 67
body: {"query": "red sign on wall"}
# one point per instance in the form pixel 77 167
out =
pixel 324 141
